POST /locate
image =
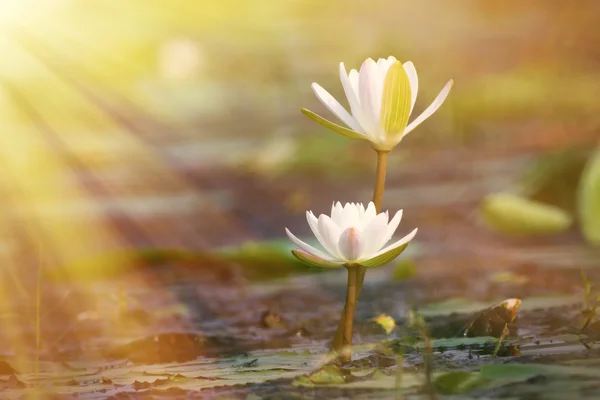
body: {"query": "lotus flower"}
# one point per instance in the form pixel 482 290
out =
pixel 381 98
pixel 352 235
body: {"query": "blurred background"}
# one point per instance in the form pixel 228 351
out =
pixel 147 123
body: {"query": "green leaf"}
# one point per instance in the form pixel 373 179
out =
pixel 349 133
pixel 517 216
pixel 461 305
pixel 265 260
pixel 554 178
pixel 589 200
pixel 404 269
pixel 327 375
pixel 458 382
pixel 395 104
pixel 313 261
pixel 386 322
pixel 521 372
pixel 384 258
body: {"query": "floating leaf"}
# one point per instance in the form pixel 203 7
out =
pixel 553 178
pixel 404 269
pixel 494 320
pixel 265 259
pixel 458 382
pixel 509 277
pixel 327 375
pixel 514 215
pixel 589 200
pixel 386 322
pixel 461 305
pixel 511 372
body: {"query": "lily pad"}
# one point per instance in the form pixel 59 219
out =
pixel 518 216
pixel 455 382
pixel 553 178
pixel 589 200
pixel 266 260
pixel 512 372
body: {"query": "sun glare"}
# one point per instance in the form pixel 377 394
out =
pixel 12 11
pixel 17 12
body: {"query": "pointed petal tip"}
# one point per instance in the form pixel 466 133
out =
pixel 412 234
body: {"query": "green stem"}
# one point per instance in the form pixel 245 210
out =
pixel 379 179
pixel 351 295
pixel 338 341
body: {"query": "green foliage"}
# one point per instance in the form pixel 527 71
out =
pixel 386 322
pixel 113 263
pixel 518 216
pixel 519 372
pixel 589 200
pixel 455 382
pixel 554 178
pixel 329 374
pixel 460 305
pixel 404 269
pixel 327 154
pixel 266 260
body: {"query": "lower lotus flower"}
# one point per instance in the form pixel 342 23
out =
pixel 352 235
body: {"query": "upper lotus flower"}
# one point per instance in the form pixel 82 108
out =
pixel 352 235
pixel 381 97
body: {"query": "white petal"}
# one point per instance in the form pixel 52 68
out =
pixel 352 95
pixel 313 222
pixel 399 243
pixel 386 66
pixel 330 233
pixel 371 212
pixel 349 216
pixel 413 78
pixel 351 244
pixel 336 213
pixel 367 82
pixel 392 226
pixel 361 211
pixel 374 234
pixel 335 107
pixel 307 247
pixel 353 76
pixel 431 109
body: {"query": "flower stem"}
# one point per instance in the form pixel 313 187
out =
pixel 338 341
pixel 351 295
pixel 379 179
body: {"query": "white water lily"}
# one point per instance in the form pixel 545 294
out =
pixel 352 235
pixel 381 98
